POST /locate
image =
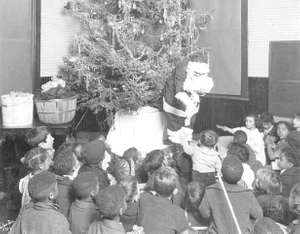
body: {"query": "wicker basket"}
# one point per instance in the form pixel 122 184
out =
pixel 56 111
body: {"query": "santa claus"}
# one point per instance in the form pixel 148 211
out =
pixel 183 89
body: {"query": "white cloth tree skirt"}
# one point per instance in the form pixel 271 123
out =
pixel 144 129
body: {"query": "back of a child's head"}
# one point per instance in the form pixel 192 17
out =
pixel 34 157
pixel 193 196
pixel 240 136
pixel 188 230
pixel 64 163
pixel 74 146
pixel 154 160
pixel 165 181
pixel 292 155
pixel 94 152
pixel 266 117
pixel 232 169
pixel 37 135
pixel 239 150
pixel 130 185
pixel 267 181
pixel 278 210
pixel 209 138
pixel 84 184
pixel 110 201
pixel 266 225
pixel 294 199
pixel 41 185
pixel 131 153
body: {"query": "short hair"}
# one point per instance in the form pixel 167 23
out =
pixel 165 181
pixel 209 138
pixel 294 199
pixel 84 184
pixel 267 181
pixel 64 163
pixel 240 136
pixel 37 135
pixel 110 200
pixel 239 150
pixel 130 185
pixel 40 185
pixel 296 115
pixel 34 157
pixel 292 155
pixel 154 160
pixel 193 196
pixel 71 145
pixel 265 225
pixel 131 153
pixel 278 210
pixel 266 117
pixel 232 169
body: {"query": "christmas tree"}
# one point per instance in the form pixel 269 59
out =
pixel 127 50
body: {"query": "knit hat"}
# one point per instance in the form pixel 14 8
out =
pixel 41 184
pixel 232 169
pixel 84 183
pixel 293 138
pixel 110 200
pixel 94 152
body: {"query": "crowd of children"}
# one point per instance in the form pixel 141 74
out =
pixel 251 187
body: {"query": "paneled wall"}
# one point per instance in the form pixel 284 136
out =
pixel 231 112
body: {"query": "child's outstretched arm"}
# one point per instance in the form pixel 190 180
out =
pixel 184 143
pixel 225 128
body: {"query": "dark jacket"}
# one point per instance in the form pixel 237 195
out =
pixel 288 178
pixel 81 215
pixel 157 215
pixel 66 194
pixel 105 227
pixel 215 207
pixel 41 218
pixel 101 174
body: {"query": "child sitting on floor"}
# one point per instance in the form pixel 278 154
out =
pixel 35 160
pixel 83 210
pixel 111 203
pixel 193 197
pixel 206 160
pixel 266 185
pixel 289 162
pixel 44 216
pixel 154 161
pixel 244 204
pixel 126 164
pixel 278 210
pixel 65 163
pixel 240 136
pixel 95 157
pixel 255 138
pixel 242 153
pixel 130 186
pixel 157 214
